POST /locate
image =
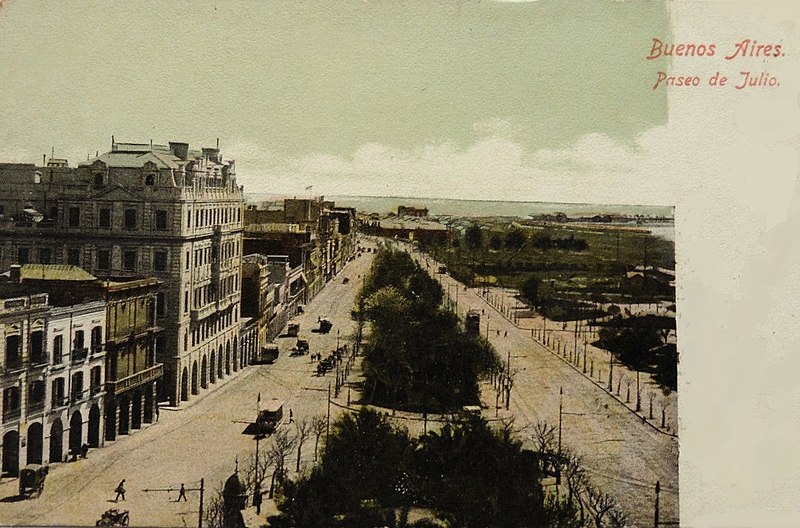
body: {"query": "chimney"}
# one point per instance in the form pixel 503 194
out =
pixel 179 150
pixel 16 273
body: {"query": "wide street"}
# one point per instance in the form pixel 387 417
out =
pixel 623 454
pixel 200 440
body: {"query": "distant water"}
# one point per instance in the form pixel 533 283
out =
pixel 440 206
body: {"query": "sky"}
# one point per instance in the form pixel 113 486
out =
pixel 352 97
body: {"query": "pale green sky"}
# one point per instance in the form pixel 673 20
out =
pixel 282 83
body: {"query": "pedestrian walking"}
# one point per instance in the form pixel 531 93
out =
pixel 157 411
pixel 498 332
pixel 182 494
pixel 505 334
pixel 291 416
pixel 120 491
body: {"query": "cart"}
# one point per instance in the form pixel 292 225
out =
pixel 114 517
pixel 31 480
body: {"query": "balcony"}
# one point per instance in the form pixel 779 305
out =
pixel 201 313
pixel 13 363
pixel 134 380
pixel 95 390
pixel 35 407
pixel 11 415
pixel 59 401
pixel 76 396
pixel 38 361
pixel 79 355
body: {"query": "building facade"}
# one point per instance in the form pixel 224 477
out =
pixel 51 377
pixel 132 369
pixel 162 211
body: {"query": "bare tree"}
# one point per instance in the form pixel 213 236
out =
pixel 214 511
pixel 280 446
pixel 544 437
pixel 577 482
pixel 318 425
pixel 617 518
pixel 303 432
pixel 599 504
pixel 249 471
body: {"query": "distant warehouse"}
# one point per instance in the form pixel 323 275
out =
pixel 421 230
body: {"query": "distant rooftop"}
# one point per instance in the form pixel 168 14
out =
pixel 52 272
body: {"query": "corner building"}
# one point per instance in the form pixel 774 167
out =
pixel 143 210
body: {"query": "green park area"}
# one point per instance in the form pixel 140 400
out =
pixel 579 263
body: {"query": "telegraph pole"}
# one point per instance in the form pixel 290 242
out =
pixel 658 491
pixel 560 413
pixel 328 419
pixel 575 347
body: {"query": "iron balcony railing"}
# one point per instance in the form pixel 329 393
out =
pixel 134 380
pixel 79 355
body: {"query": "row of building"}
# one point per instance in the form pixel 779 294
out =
pixel 168 284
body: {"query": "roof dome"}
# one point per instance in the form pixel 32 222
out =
pixel 233 486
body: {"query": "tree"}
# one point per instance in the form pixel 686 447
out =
pixel 629 344
pixel 515 239
pixel 473 237
pixel 303 432
pixel 530 290
pixel 214 510
pixel 318 425
pixel 495 242
pixel 280 446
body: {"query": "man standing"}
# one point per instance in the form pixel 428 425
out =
pixel 120 491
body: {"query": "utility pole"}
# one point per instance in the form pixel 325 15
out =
pixel 575 347
pixel 658 491
pixel 638 394
pixel 328 419
pixel 560 413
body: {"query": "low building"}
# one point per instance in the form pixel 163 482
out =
pixel 405 210
pixel 51 375
pixel 258 306
pixel 126 342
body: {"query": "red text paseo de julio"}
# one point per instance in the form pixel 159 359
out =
pixel 744 49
